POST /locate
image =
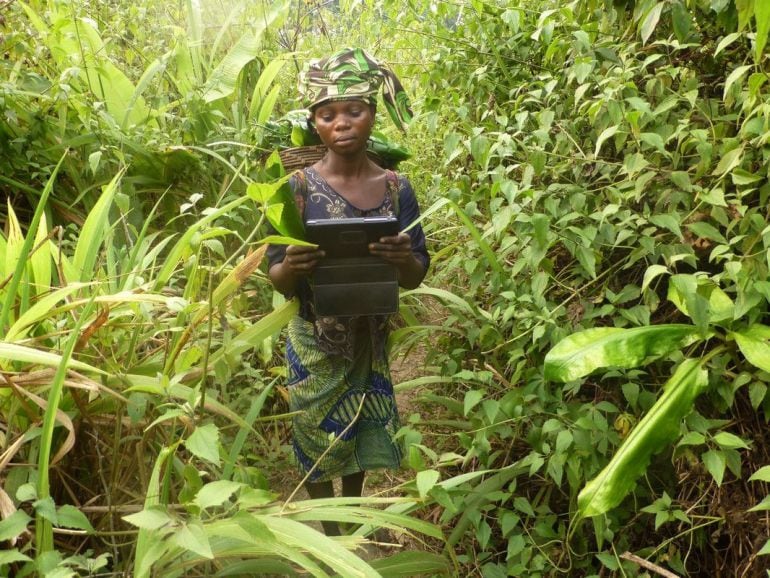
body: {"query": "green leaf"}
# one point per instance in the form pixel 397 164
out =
pixel 151 518
pixel 581 353
pixel 715 464
pixel 605 134
pixel 92 235
pixel 262 86
pixel 733 77
pixel 14 525
pixel 682 21
pixel 21 264
pixel 41 260
pixel 729 161
pixel 765 550
pixel 224 77
pixel 650 21
pixel 40 310
pixel 727 41
pixel 707 231
pixel 24 354
pixel 667 221
pixel 692 438
pixel 298 535
pixel 216 493
pixel 754 346
pixel 761 475
pixel 762 16
pixel 652 272
pixel 426 480
pixel 472 398
pixel 757 393
pixel 11 556
pixel 69 516
pixel 729 441
pixel 654 432
pixel 683 292
pixel 192 537
pixel 408 564
pixel 654 140
pixel 761 506
pixel 707 302
pixel 204 443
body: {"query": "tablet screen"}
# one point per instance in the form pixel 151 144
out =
pixel 340 238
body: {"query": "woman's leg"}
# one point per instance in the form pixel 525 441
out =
pixel 353 485
pixel 318 490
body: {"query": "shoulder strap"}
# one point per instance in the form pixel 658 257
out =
pixel 300 190
pixel 392 178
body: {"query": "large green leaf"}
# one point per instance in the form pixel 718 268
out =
pixel 754 345
pixel 762 15
pixel 414 563
pixel 224 77
pixel 581 353
pixel 93 233
pixel 21 262
pixel 657 429
pixel 33 356
pixel 300 536
pixel 262 87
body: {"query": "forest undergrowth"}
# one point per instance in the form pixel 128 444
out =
pixel 585 371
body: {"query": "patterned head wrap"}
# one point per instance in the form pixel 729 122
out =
pixel 352 73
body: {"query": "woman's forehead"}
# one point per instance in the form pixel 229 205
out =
pixel 341 104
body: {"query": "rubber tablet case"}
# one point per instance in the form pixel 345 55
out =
pixel 355 286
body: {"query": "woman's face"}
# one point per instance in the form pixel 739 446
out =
pixel 344 126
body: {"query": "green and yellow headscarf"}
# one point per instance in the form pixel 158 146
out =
pixel 352 73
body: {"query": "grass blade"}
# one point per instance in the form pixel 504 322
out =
pixel 21 264
pixel 43 528
pixel 93 232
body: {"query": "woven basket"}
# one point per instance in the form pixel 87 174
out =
pixel 301 157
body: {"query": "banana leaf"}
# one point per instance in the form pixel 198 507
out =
pixel 656 431
pixel 581 353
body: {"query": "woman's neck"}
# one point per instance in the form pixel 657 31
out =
pixel 352 167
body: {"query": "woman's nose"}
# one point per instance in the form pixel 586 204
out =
pixel 342 122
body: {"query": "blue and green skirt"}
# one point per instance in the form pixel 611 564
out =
pixel 327 391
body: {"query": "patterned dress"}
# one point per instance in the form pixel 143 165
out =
pixel 338 365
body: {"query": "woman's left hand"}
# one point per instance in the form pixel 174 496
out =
pixel 396 250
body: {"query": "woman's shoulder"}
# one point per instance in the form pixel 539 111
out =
pixel 401 182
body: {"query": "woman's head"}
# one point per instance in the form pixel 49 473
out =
pixel 352 74
pixel 344 125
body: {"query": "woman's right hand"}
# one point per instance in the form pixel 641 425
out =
pixel 300 260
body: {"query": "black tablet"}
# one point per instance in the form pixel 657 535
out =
pixel 343 238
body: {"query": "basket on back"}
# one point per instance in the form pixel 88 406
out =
pixel 300 157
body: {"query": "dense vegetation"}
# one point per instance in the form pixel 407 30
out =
pixel 594 182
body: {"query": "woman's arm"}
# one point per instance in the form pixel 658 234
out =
pixel 407 251
pixel 398 251
pixel 299 261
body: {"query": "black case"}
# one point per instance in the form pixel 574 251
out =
pixel 347 238
pixel 349 281
pixel 355 286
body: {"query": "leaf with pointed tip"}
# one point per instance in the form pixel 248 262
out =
pixel 581 353
pixel 656 430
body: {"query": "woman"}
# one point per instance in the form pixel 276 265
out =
pixel 339 378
